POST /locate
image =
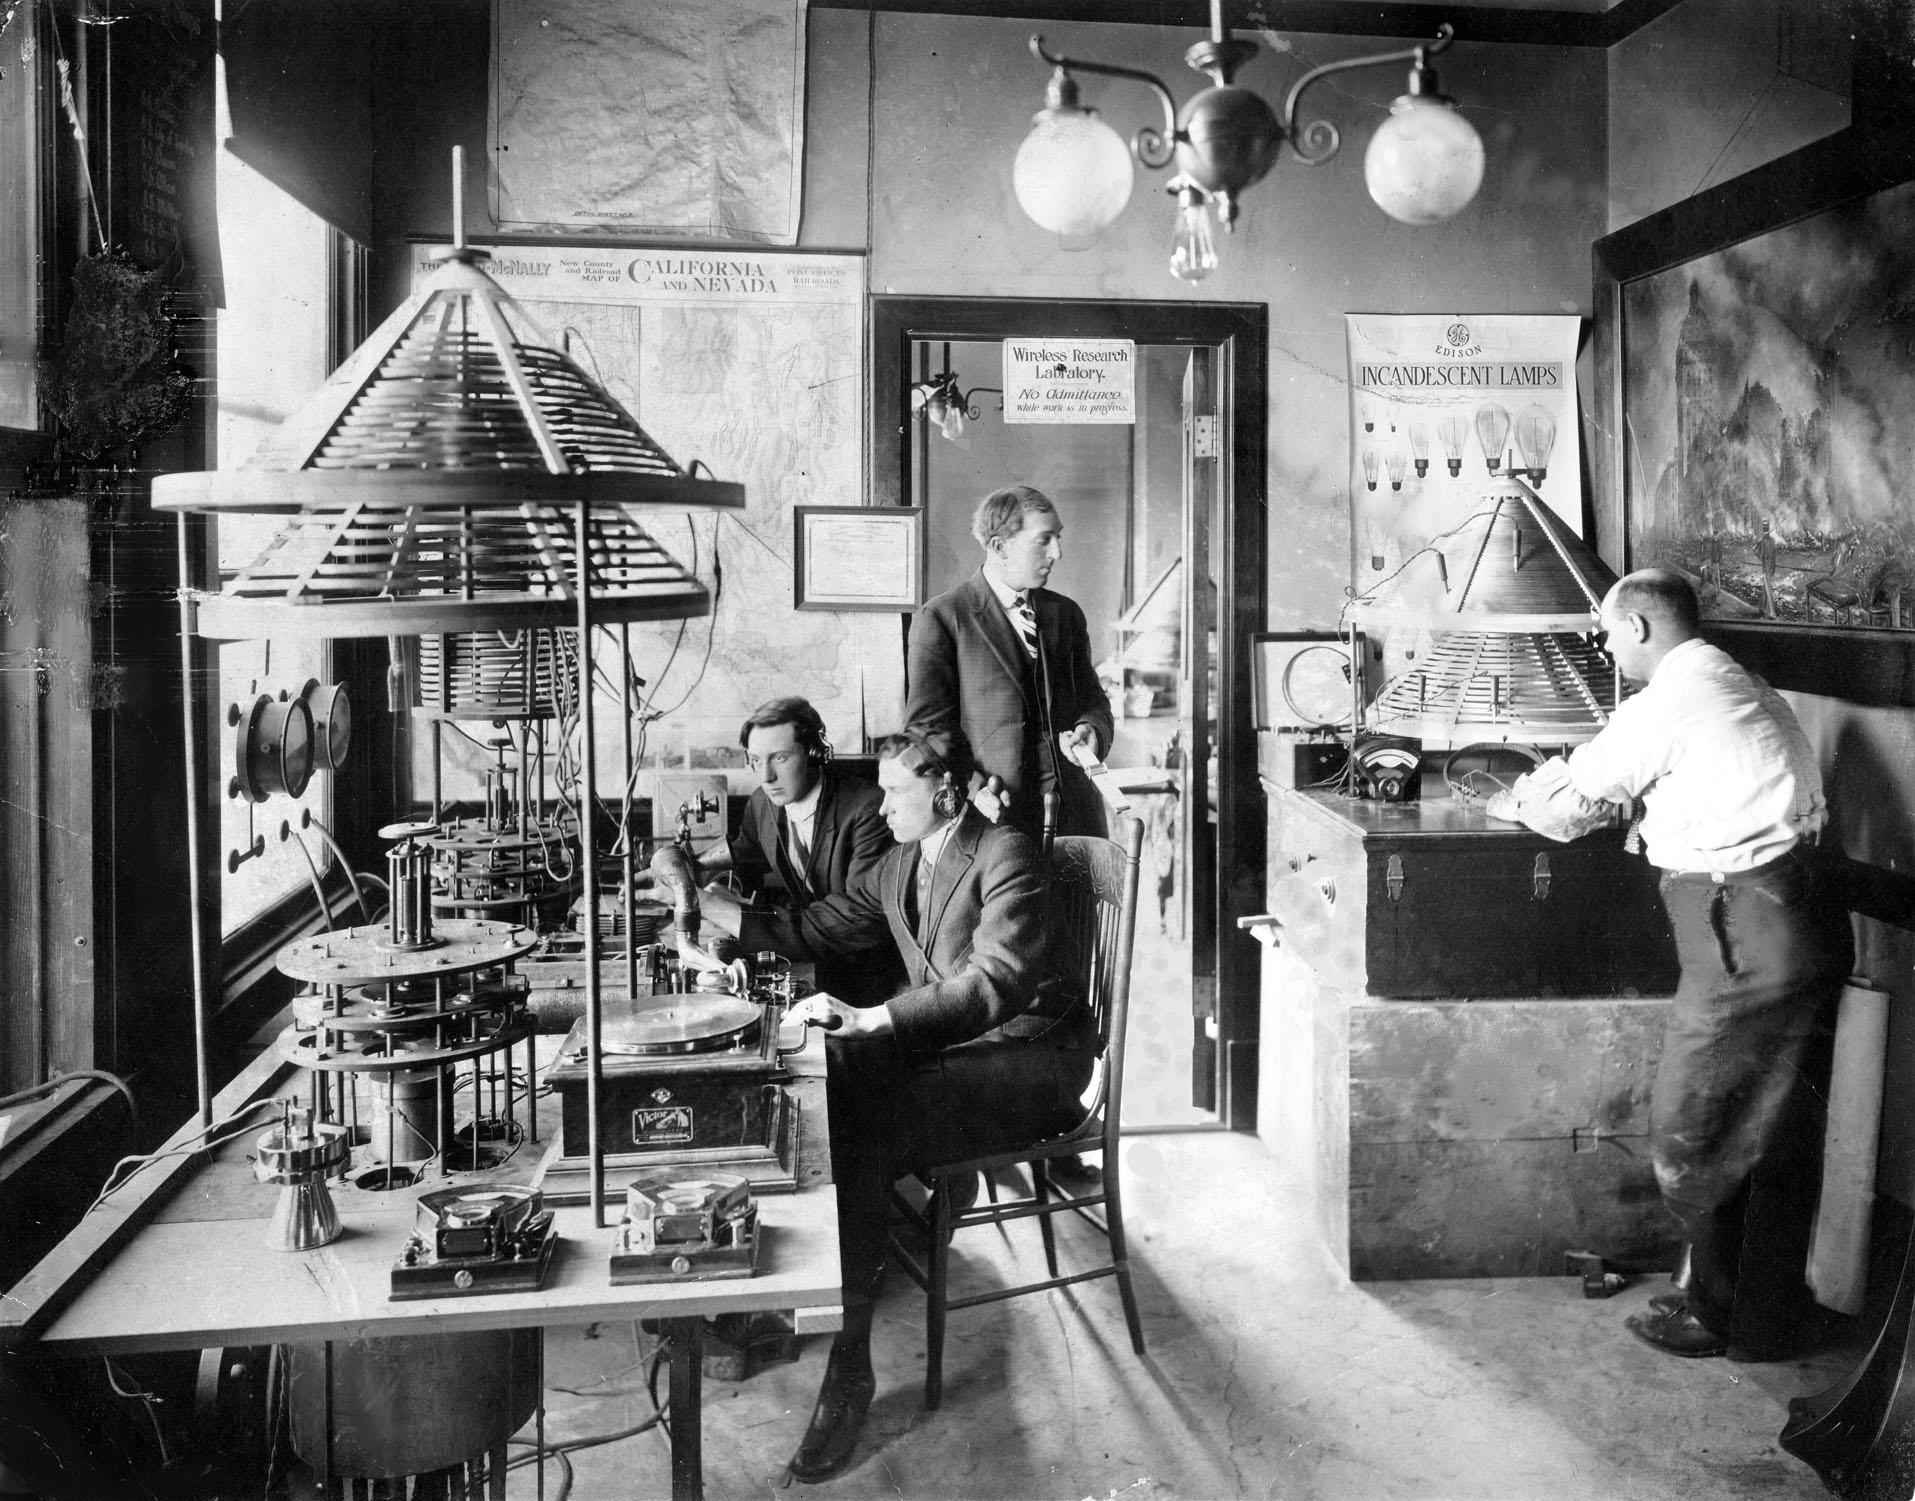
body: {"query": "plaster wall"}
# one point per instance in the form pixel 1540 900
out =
pixel 1713 88
pixel 952 97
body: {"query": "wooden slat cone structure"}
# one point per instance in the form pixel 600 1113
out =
pixel 1511 599
pixel 436 482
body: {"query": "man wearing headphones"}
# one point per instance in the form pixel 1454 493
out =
pixel 808 831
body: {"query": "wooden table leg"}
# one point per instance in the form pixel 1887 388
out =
pixel 687 1338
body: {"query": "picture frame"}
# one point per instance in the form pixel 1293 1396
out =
pixel 1820 608
pixel 848 558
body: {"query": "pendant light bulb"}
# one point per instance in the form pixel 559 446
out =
pixel 1193 249
pixel 1072 174
pixel 1425 162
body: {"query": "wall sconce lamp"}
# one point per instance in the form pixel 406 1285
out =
pixel 947 407
pixel 1073 172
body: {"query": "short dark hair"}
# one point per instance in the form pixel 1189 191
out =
pixel 933 754
pixel 806 721
pixel 1002 512
pixel 1662 594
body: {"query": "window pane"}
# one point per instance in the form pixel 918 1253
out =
pixel 273 335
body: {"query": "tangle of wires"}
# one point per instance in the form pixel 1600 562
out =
pixel 561 1451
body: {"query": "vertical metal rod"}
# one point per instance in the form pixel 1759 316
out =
pixel 458 197
pixel 438 753
pixel 588 865
pixel 626 874
pixel 687 1338
pixel 195 877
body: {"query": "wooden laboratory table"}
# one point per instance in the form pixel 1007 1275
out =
pixel 200 1276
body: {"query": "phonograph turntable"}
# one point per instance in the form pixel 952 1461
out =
pixel 484 1238
pixel 681 1226
pixel 690 1080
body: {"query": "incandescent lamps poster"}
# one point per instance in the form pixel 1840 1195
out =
pixel 1445 410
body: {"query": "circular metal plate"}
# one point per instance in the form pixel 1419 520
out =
pixel 683 1024
pixel 363 955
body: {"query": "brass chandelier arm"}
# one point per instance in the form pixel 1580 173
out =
pixel 1317 142
pixel 1152 147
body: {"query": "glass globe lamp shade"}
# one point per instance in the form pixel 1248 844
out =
pixel 1072 174
pixel 1425 162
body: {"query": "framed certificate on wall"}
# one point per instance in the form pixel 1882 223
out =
pixel 858 558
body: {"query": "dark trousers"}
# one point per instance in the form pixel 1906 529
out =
pixel 893 1113
pixel 1738 1107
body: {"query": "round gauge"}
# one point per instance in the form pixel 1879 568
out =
pixel 1315 685
pixel 273 748
pixel 332 721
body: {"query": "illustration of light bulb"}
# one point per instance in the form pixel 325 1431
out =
pixel 1420 446
pixel 1379 536
pixel 1369 468
pixel 1396 463
pixel 1535 436
pixel 1492 431
pixel 1453 432
pixel 1366 413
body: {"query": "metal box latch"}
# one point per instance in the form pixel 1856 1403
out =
pixel 1540 877
pixel 1393 878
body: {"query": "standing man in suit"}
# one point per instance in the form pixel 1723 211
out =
pixel 1008 662
pixel 972 1054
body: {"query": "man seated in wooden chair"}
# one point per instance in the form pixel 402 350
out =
pixel 973 1055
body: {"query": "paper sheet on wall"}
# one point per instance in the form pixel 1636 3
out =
pixel 649 119
pixel 1440 404
pixel 753 363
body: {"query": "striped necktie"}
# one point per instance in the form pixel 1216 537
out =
pixel 926 866
pixel 1025 619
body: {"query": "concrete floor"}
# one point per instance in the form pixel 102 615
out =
pixel 1268 1375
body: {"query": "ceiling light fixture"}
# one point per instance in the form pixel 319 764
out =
pixel 1072 175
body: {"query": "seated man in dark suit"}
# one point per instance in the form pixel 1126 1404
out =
pixel 971 1055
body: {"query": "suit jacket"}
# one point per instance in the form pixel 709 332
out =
pixel 966 666
pixel 975 961
pixel 848 838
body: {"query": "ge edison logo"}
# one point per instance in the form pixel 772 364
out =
pixel 1458 335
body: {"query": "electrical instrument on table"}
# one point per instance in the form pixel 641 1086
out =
pixel 485 1238
pixel 679 1226
pixel 692 1080
pixel 300 1154
pixel 410 1005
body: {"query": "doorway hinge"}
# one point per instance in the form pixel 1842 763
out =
pixel 1539 878
pixel 1203 437
pixel 1393 878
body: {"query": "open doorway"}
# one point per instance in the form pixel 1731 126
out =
pixel 1163 550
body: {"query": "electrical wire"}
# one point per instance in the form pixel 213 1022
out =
pixel 147 1400
pixel 7 1102
pixel 191 1144
pixel 352 876
pixel 319 890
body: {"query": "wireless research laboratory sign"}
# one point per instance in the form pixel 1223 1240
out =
pixel 1070 380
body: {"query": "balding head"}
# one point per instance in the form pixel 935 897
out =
pixel 1647 615
pixel 1664 595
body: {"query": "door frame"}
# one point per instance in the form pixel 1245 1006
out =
pixel 1242 332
